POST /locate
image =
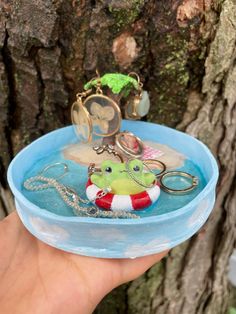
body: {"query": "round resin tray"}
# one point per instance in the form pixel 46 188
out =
pixel 170 221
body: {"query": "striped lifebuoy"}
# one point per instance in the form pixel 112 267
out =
pixel 122 202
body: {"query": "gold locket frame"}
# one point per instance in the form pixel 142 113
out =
pixel 132 104
pixel 87 117
pixel 114 106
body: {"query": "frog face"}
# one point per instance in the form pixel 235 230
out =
pixel 115 176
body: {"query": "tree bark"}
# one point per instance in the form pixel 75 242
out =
pixel 185 53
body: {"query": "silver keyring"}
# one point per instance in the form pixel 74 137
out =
pixel 194 182
pixel 155 161
pixel 92 169
pixel 126 150
pixel 65 167
pixel 135 179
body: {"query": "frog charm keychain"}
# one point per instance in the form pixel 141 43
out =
pixel 130 185
pixel 125 193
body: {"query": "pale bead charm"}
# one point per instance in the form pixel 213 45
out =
pixel 144 105
pixel 138 107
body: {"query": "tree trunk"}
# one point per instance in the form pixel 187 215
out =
pixel 185 53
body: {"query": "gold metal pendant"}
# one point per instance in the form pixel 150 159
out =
pixel 105 114
pixel 131 108
pixel 138 106
pixel 82 121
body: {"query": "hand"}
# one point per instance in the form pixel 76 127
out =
pixel 39 279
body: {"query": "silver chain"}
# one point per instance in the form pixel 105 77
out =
pixel 72 199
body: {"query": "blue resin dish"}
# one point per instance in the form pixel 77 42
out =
pixel 165 224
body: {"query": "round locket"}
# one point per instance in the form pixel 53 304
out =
pixel 105 114
pixel 82 122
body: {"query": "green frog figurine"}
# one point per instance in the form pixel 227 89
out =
pixel 129 186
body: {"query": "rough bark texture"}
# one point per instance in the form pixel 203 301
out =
pixel 185 52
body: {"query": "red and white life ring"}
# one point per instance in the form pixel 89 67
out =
pixel 122 202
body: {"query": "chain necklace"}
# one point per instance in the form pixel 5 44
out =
pixel 72 199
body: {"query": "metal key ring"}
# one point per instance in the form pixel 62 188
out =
pixel 135 179
pixel 126 150
pixel 65 167
pixel 92 169
pixel 194 182
pixel 155 161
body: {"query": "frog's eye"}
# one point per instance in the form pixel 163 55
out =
pixel 136 168
pixel 108 170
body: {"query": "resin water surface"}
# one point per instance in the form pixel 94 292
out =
pixel 77 177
